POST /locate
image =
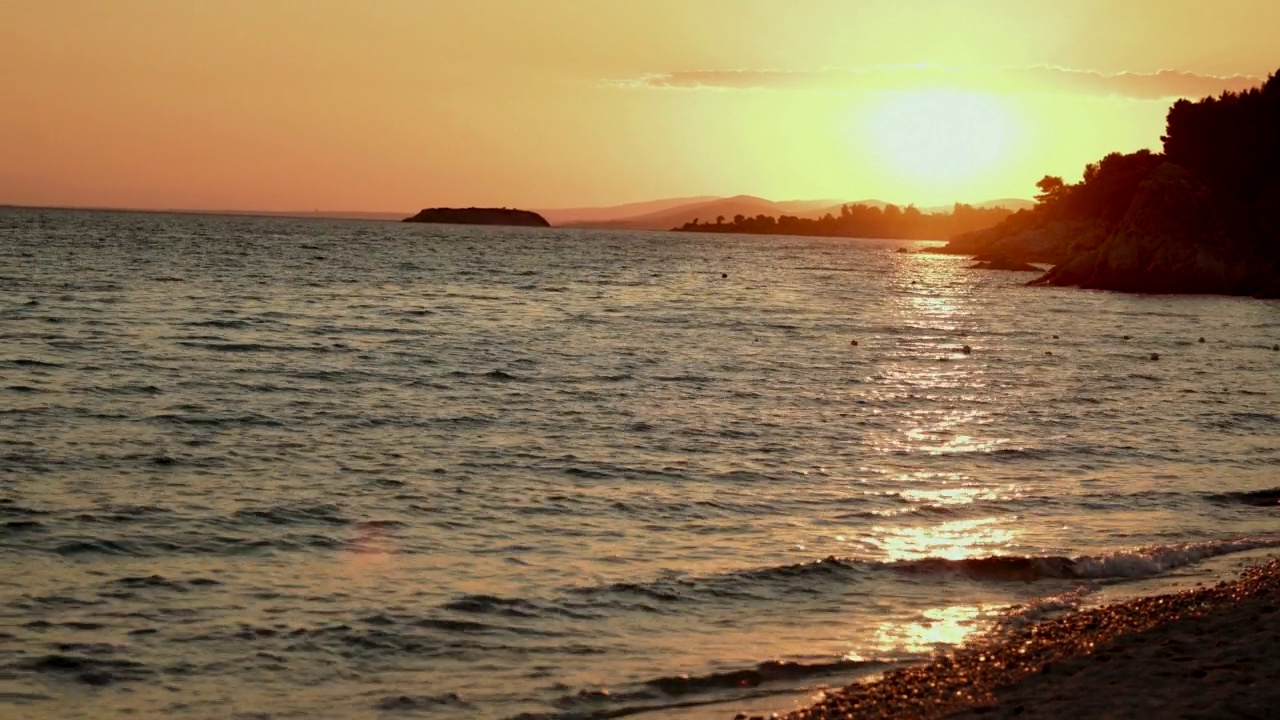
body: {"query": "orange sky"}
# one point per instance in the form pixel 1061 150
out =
pixel 399 104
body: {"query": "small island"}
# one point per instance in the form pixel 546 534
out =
pixel 480 216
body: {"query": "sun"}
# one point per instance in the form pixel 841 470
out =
pixel 939 136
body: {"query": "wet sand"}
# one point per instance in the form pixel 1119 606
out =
pixel 1209 652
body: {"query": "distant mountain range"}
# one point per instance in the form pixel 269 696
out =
pixel 675 212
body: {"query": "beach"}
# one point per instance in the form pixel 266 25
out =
pixel 1202 653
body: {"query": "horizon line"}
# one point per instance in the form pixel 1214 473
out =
pixel 364 214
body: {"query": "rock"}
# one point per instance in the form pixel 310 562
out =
pixel 1176 237
pixel 1005 263
pixel 1075 271
pixel 1270 291
pixel 1052 243
pixel 480 216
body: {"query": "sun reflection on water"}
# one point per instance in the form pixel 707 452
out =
pixel 954 540
pixel 944 626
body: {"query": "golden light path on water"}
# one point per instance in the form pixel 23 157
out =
pixel 937 433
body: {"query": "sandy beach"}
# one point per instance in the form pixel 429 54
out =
pixel 1210 652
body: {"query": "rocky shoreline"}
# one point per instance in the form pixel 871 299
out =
pixel 1205 652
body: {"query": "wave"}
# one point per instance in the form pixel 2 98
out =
pixel 160 582
pixel 674 692
pixel 769 671
pixel 1020 616
pixel 249 347
pixel 685 378
pixel 408 703
pixel 1261 498
pixel 1141 563
pixel 95 671
pixel 1246 423
pixel 495 375
pixel 295 514
pixel 248 419
pixel 996 567
pixel 190 544
pixel 27 362
pixel 1161 559
pixel 807 578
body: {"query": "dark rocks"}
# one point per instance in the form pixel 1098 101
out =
pixel 1005 263
pixel 1053 243
pixel 480 216
pixel 1270 292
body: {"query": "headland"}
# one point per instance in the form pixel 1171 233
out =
pixel 1202 216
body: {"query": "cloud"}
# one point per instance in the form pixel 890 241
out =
pixel 1164 84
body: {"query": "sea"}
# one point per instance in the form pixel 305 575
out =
pixel 298 468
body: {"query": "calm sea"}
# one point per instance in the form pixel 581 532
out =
pixel 273 468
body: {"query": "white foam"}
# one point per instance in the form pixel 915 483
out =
pixel 1020 616
pixel 1163 558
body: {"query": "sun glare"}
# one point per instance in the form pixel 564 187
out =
pixel 940 135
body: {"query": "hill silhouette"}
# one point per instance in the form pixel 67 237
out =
pixel 668 214
pixel 670 217
pixel 611 213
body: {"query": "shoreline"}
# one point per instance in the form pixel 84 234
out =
pixel 1204 652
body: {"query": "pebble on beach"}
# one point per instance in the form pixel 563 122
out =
pixel 1155 656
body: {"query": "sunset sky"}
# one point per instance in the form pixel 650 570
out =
pixel 393 105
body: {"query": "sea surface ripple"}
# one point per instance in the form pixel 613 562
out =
pixel 275 468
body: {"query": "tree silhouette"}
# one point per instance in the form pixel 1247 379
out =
pixel 1051 188
pixel 863 221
